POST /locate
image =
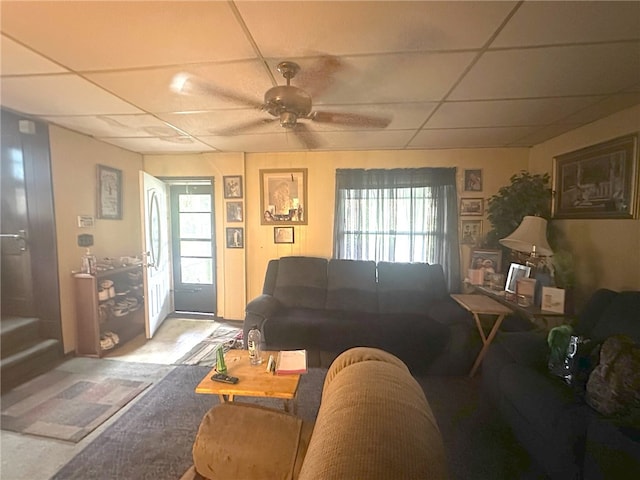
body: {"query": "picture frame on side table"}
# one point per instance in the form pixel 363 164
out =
pixel 232 185
pixel 235 237
pixel 553 299
pixel 600 181
pixel 472 206
pixel 516 272
pixel 283 197
pixel 283 235
pixel 109 193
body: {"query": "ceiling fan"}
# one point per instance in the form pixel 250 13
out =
pixel 286 103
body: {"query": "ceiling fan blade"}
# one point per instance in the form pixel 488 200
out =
pixel 243 127
pixel 350 119
pixel 187 84
pixel 317 78
pixel 306 136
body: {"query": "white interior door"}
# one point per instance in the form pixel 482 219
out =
pixel 155 245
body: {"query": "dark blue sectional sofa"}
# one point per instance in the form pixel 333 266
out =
pixel 327 306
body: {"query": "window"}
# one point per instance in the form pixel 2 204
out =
pixel 398 215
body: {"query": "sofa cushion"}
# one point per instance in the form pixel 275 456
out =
pixel 621 317
pixel 301 282
pixel 403 287
pixel 352 286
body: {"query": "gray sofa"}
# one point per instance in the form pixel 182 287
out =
pixel 327 306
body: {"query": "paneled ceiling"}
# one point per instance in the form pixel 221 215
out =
pixel 446 74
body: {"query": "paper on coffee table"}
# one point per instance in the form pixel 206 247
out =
pixel 291 362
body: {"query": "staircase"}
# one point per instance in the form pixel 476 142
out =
pixel 24 353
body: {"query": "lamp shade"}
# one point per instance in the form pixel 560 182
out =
pixel 532 232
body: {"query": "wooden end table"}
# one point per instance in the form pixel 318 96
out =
pixel 253 381
pixel 482 305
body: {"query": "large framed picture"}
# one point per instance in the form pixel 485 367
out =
pixel 600 181
pixel 232 185
pixel 283 197
pixel 109 193
pixel 471 206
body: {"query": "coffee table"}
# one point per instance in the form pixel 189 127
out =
pixel 482 305
pixel 253 381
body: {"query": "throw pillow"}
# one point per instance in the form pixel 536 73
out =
pixel 613 388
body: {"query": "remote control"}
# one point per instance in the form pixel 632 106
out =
pixel 221 377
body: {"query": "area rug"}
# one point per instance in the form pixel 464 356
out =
pixel 66 406
pixel 153 438
pixel 204 353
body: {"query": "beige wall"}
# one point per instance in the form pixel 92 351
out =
pixel 606 252
pixel 230 262
pixel 316 238
pixel 73 161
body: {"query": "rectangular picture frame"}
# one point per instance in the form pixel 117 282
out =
pixel 599 181
pixel 283 197
pixel 235 212
pixel 283 235
pixel 470 232
pixel 472 206
pixel 109 190
pixel 473 180
pixel 488 259
pixel 232 186
pixel 516 272
pixel 235 237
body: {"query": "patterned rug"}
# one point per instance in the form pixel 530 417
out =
pixel 66 406
pixel 204 354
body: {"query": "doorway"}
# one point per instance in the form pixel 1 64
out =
pixel 193 245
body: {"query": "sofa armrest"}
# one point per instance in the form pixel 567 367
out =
pixel 263 306
pixel 525 348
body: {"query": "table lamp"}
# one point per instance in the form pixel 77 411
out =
pixel 530 238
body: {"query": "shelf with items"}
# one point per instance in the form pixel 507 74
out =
pixel 109 309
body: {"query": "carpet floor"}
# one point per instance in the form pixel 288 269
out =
pixel 153 438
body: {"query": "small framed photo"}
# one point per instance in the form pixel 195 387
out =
pixel 232 186
pixel 473 180
pixel 109 193
pixel 471 232
pixel 234 212
pixel 516 272
pixel 485 259
pixel 235 237
pixel 553 299
pixel 283 235
pixel 471 206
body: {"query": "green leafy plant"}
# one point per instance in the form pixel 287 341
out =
pixel 528 194
pixel 564 274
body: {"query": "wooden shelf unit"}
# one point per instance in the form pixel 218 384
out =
pixel 91 323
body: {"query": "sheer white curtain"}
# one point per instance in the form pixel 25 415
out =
pixel 398 215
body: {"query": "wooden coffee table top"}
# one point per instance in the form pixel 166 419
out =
pixel 253 381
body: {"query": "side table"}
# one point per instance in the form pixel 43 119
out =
pixel 482 305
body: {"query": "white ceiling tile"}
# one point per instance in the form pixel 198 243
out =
pixel 60 95
pixel 105 35
pixel 18 60
pixel 603 108
pixel 273 142
pixel 546 23
pixel 159 145
pixel 554 71
pixel 294 29
pixel 117 125
pixel 543 134
pixel 486 113
pixel 365 140
pixel 469 137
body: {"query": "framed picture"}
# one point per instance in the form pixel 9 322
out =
pixel 283 234
pixel 234 212
pixel 471 206
pixel 109 193
pixel 473 180
pixel 283 196
pixel 516 272
pixel 232 186
pixel 489 260
pixel 235 237
pixel 471 232
pixel 600 181
pixel 553 299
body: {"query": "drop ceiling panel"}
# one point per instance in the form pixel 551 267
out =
pixel 60 95
pixel 273 142
pixel 555 71
pixel 151 88
pixel 346 28
pixel 117 125
pixel 547 23
pixel 160 145
pixel 469 137
pixel 18 60
pixel 107 35
pixel 365 140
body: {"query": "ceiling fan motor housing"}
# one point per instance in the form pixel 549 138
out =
pixel 288 103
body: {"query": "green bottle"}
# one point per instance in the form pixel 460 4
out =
pixel 221 367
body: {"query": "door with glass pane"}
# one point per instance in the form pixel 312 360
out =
pixel 193 248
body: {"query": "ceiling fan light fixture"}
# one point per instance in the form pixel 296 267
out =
pixel 288 119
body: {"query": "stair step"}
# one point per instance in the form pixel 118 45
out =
pixel 38 357
pixel 16 333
